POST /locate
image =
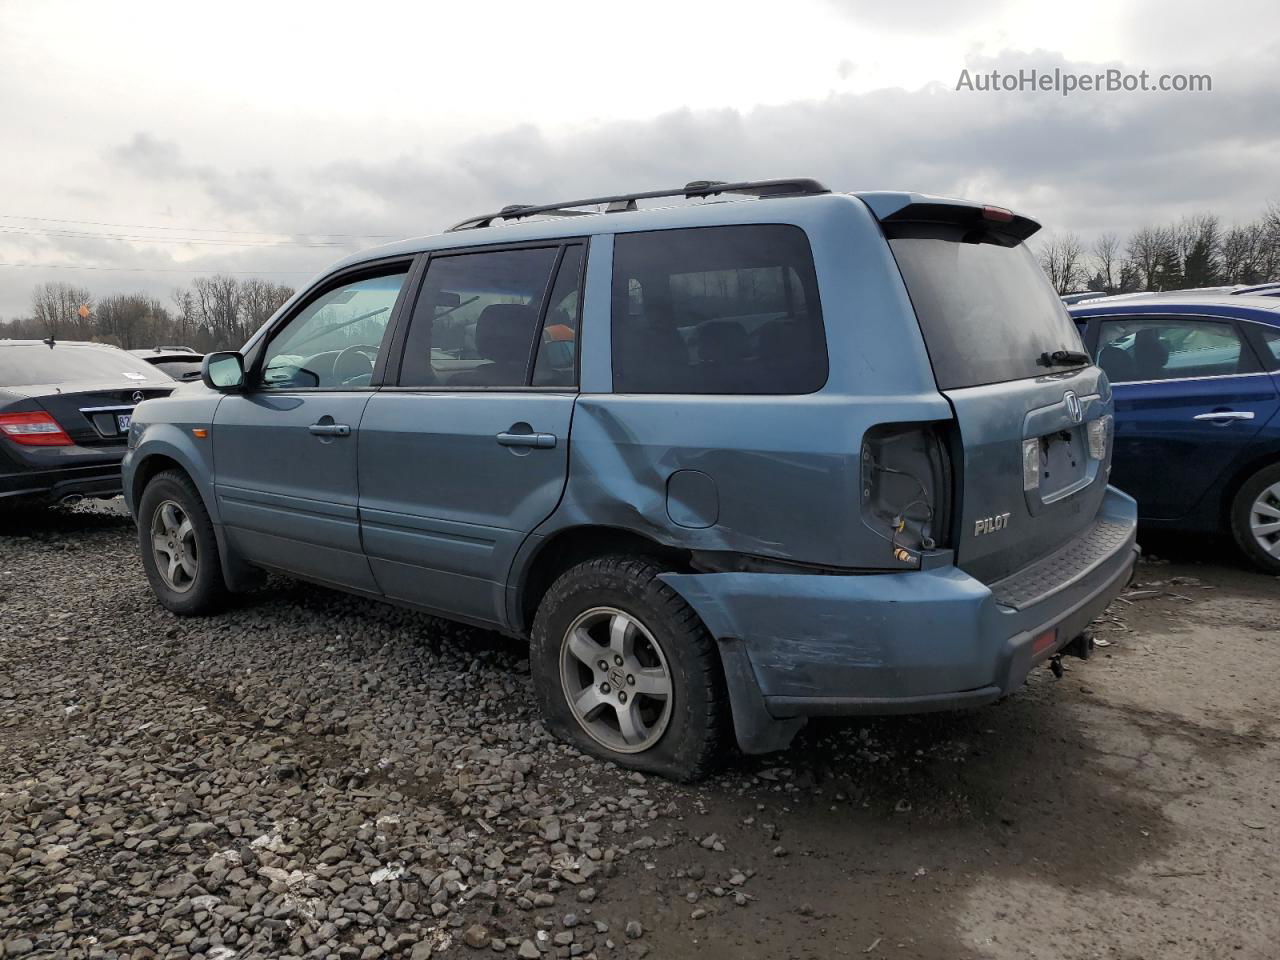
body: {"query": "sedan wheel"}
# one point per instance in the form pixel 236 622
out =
pixel 173 546
pixel 1264 520
pixel 615 677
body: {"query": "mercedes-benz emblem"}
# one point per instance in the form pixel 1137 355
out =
pixel 138 396
pixel 1072 403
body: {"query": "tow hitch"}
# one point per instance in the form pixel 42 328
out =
pixel 1081 647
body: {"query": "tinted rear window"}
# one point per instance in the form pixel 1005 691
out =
pixel 728 310
pixel 26 365
pixel 987 311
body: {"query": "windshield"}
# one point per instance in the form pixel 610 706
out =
pixel 987 312
pixel 26 364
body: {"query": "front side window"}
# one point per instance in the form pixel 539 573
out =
pixel 1139 349
pixel 335 340
pixel 476 319
pixel 726 310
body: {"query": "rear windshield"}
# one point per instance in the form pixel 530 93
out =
pixel 31 364
pixel 988 313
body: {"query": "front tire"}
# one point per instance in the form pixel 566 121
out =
pixel 624 670
pixel 179 549
pixel 1255 518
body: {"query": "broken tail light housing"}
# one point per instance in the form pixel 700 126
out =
pixel 906 488
pixel 36 429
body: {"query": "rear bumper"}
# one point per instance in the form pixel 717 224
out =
pixel 796 646
pixel 100 478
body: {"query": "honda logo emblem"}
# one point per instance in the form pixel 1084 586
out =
pixel 1072 403
pixel 139 396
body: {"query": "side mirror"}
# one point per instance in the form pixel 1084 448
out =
pixel 223 371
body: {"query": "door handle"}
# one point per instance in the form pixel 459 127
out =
pixel 330 429
pixel 1225 416
pixel 543 441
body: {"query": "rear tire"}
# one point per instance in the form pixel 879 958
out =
pixel 1255 508
pixel 179 549
pixel 663 708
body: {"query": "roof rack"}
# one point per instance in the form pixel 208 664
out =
pixel 621 202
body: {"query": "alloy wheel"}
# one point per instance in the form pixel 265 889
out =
pixel 173 546
pixel 1264 520
pixel 616 680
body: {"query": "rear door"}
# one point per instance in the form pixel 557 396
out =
pixel 1190 395
pixel 468 452
pixel 1026 399
pixel 285 449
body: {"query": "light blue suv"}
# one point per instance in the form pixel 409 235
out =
pixel 726 465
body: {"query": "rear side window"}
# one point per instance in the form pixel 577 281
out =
pixel 727 310
pixel 987 311
pixel 1158 348
pixel 1272 340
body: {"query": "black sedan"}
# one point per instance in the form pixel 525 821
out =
pixel 181 363
pixel 64 418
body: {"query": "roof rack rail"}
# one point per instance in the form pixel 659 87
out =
pixel 618 203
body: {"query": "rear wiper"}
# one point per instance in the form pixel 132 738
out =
pixel 1061 358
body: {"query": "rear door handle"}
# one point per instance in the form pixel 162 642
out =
pixel 1226 416
pixel 330 429
pixel 543 441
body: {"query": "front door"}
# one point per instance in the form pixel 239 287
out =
pixel 468 453
pixel 1189 396
pixel 285 449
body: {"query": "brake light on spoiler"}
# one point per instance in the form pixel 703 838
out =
pixel 33 430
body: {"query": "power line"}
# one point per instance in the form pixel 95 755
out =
pixel 79 266
pixel 255 233
pixel 79 235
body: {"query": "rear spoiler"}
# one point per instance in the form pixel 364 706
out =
pixel 891 207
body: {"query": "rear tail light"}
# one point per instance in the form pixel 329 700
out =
pixel 1099 434
pixel 906 488
pixel 1031 464
pixel 33 430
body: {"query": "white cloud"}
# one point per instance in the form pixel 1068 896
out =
pixel 400 118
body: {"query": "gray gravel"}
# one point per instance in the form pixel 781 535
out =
pixel 315 775
pixel 307 775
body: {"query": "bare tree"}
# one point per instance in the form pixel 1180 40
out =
pixel 1106 253
pixel 1152 250
pixel 56 309
pixel 219 301
pixel 259 299
pixel 131 320
pixel 1061 257
pixel 184 314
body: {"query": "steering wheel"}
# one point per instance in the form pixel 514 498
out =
pixel 354 363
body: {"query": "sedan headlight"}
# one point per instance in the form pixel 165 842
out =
pixel 1099 434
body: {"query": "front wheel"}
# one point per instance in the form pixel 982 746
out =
pixel 624 670
pixel 1255 518
pixel 179 549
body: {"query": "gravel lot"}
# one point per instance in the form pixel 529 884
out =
pixel 316 775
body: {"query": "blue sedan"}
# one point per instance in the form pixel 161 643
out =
pixel 1197 393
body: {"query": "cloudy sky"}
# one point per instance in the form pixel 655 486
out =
pixel 146 143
